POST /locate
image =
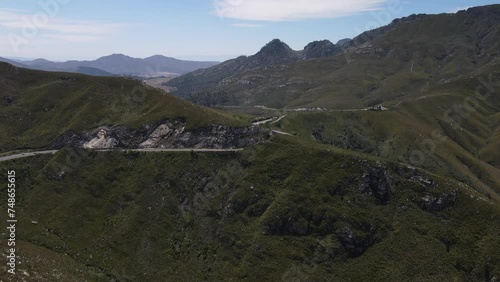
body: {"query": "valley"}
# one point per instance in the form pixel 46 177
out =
pixel 375 158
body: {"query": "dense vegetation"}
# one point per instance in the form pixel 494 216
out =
pixel 285 210
pixel 407 194
pixel 452 131
pixel 36 107
pixel 437 74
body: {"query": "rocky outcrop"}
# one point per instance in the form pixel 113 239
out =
pixel 280 225
pixel 375 181
pixel 343 43
pixel 102 140
pixel 275 52
pixel 422 180
pixel 355 245
pixel 440 202
pixel 415 176
pixel 319 49
pixel 165 135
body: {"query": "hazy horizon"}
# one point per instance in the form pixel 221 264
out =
pixel 61 30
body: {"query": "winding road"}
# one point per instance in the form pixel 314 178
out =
pixel 26 155
pixel 153 150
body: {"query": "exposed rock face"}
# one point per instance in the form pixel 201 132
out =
pixel 375 181
pixel 287 226
pixel 70 138
pixel 102 140
pixel 319 49
pixel 343 43
pixel 356 245
pixel 415 176
pixel 164 135
pixel 437 203
pixel 275 52
pixel 426 182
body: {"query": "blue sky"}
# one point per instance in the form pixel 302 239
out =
pixel 191 29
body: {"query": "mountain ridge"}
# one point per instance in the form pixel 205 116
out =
pixel 421 68
pixel 438 47
pixel 405 192
pixel 55 109
pixel 120 64
pixel 272 55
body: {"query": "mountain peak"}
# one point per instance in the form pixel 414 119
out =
pixel 155 57
pixel 115 57
pixel 276 52
pixel 275 45
pixel 276 41
pixel 319 49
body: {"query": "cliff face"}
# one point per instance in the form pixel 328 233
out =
pixel 164 134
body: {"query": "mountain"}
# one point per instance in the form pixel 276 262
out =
pixel 424 68
pixel 93 71
pixel 12 62
pixel 319 49
pixel 274 54
pixel 398 60
pixel 405 192
pixel 44 110
pixel 283 210
pixel 119 64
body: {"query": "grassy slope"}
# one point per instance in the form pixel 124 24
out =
pixel 38 106
pixel 399 61
pixel 421 66
pixel 201 217
pixel 36 263
pixel 470 153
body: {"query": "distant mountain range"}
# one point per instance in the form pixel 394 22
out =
pixel 400 59
pixel 118 64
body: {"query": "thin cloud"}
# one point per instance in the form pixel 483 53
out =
pixel 247 25
pixel 16 21
pixel 67 27
pixel 73 38
pixel 289 10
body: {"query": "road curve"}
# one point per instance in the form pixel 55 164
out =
pixel 26 155
pixel 152 150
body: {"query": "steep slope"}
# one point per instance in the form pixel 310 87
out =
pixel 120 64
pixel 38 107
pixel 282 211
pixel 319 49
pixel 452 130
pixel 426 68
pixel 198 83
pixel 401 60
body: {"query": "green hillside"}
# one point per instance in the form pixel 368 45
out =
pixel 451 131
pixel 37 106
pixel 284 211
pixel 376 159
pixel 396 62
pixel 426 69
